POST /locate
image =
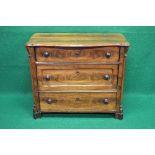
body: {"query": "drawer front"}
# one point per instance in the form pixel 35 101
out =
pixel 77 77
pixel 98 54
pixel 78 102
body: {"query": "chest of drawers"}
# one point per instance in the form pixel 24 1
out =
pixel 77 72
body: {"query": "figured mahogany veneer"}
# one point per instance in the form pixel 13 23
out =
pixel 77 72
pixel 73 54
pixel 77 77
pixel 78 102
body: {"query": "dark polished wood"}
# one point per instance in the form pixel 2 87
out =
pixel 77 72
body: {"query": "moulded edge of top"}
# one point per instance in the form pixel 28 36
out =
pixel 123 43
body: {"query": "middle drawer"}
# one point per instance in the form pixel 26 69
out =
pixel 77 77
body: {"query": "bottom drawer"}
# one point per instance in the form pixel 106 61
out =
pixel 78 102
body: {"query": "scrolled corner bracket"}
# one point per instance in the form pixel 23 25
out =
pixel 119 115
pixel 36 113
pixel 29 55
pixel 125 52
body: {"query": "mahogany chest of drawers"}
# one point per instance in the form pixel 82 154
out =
pixel 77 72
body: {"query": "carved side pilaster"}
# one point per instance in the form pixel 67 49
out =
pixel 121 72
pixel 33 69
pixel 119 115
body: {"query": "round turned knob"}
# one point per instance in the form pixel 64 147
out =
pixel 47 77
pixel 108 54
pixel 46 54
pixel 49 100
pixel 106 77
pixel 105 101
pixel 77 54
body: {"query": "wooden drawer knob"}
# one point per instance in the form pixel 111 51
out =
pixel 106 77
pixel 107 54
pixel 46 54
pixel 47 77
pixel 77 54
pixel 105 101
pixel 50 101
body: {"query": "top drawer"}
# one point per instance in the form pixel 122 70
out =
pixel 76 54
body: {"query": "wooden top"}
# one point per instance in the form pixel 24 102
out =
pixel 77 39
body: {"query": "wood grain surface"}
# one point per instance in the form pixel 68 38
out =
pixel 76 77
pixel 70 54
pixel 77 39
pixel 77 72
pixel 78 102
